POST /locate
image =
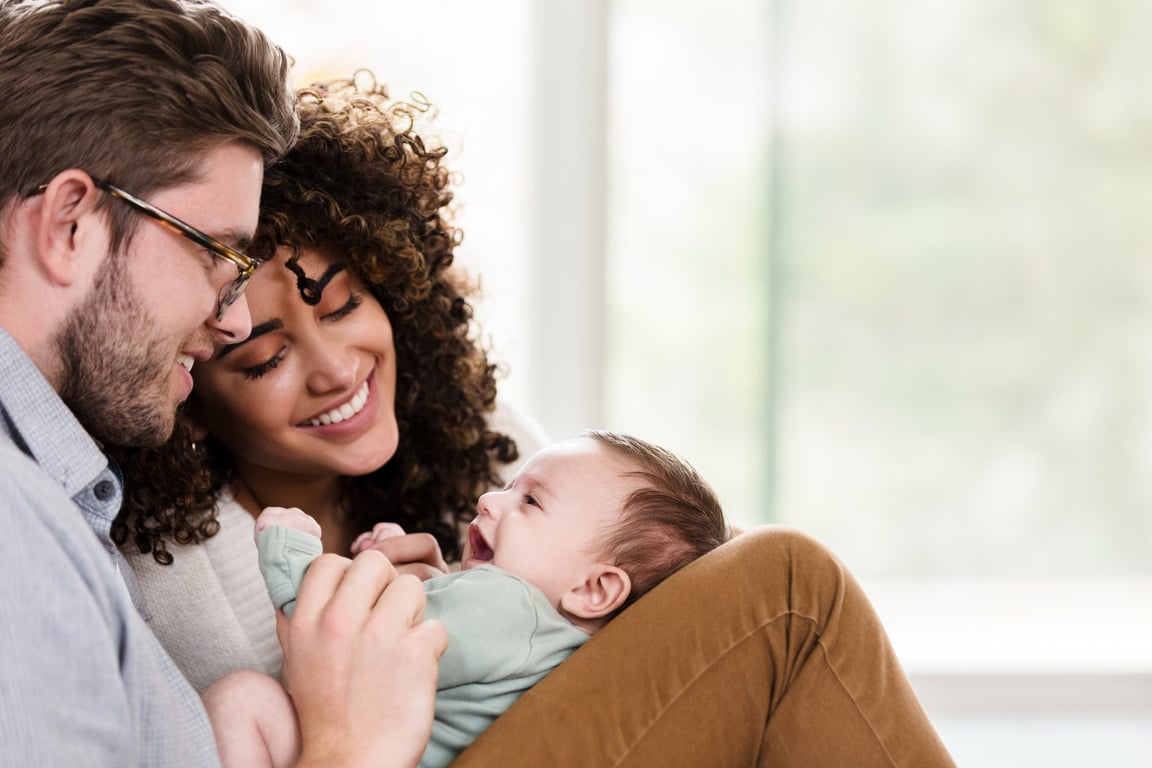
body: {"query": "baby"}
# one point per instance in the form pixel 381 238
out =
pixel 587 527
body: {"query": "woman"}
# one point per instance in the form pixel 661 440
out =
pixel 361 396
pixel 765 651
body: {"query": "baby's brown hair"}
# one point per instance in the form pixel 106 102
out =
pixel 672 520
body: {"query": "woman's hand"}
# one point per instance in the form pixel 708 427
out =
pixel 417 554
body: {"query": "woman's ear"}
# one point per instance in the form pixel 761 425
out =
pixel 603 591
pixel 196 430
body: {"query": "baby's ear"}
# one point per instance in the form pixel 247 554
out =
pixel 603 591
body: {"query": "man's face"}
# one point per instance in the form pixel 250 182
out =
pixel 128 349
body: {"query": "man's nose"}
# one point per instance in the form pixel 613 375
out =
pixel 235 325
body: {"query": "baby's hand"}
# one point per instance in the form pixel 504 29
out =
pixel 290 517
pixel 379 532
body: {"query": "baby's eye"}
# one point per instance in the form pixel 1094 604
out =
pixel 531 500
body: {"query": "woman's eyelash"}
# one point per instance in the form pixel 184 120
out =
pixel 354 300
pixel 256 371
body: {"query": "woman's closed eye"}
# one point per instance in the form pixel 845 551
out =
pixel 258 370
pixel 354 301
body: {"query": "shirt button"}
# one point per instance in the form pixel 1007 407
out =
pixel 105 489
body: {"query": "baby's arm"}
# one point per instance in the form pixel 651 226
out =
pixel 415 553
pixel 359 658
pixel 253 721
pixel 288 540
pixel 379 532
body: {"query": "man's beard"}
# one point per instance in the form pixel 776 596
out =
pixel 114 378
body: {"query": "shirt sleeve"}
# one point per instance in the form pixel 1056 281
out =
pixel 48 623
pixel 84 683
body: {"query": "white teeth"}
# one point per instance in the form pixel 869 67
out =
pixel 346 411
pixel 185 361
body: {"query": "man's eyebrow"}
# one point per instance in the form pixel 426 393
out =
pixel 235 239
pixel 259 330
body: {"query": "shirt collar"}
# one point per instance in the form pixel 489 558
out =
pixel 35 418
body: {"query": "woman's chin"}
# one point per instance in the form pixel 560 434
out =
pixel 377 451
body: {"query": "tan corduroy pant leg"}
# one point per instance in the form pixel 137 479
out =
pixel 765 652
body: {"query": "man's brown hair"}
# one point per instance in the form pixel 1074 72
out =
pixel 133 92
pixel 673 519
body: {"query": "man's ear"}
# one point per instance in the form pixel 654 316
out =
pixel 67 231
pixel 603 591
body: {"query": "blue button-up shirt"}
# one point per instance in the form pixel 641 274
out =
pixel 83 681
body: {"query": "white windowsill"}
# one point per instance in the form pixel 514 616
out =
pixel 1022 647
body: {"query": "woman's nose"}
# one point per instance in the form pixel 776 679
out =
pixel 332 368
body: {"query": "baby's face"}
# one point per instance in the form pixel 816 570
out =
pixel 548 524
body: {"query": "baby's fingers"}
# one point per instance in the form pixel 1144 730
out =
pixel 379 532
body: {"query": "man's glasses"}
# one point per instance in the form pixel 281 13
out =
pixel 245 264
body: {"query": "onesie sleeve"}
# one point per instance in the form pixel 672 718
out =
pixel 284 555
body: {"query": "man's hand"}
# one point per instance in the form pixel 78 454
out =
pixel 360 663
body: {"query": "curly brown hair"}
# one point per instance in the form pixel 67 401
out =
pixel 361 185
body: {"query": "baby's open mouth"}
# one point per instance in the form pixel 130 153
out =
pixel 480 549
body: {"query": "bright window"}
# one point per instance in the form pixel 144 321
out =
pixel 906 247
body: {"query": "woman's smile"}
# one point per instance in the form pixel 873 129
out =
pixel 342 412
pixel 349 418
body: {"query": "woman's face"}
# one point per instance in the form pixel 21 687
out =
pixel 311 392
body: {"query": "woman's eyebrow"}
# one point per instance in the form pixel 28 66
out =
pixel 258 331
pixel 311 290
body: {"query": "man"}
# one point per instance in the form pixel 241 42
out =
pixel 133 137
